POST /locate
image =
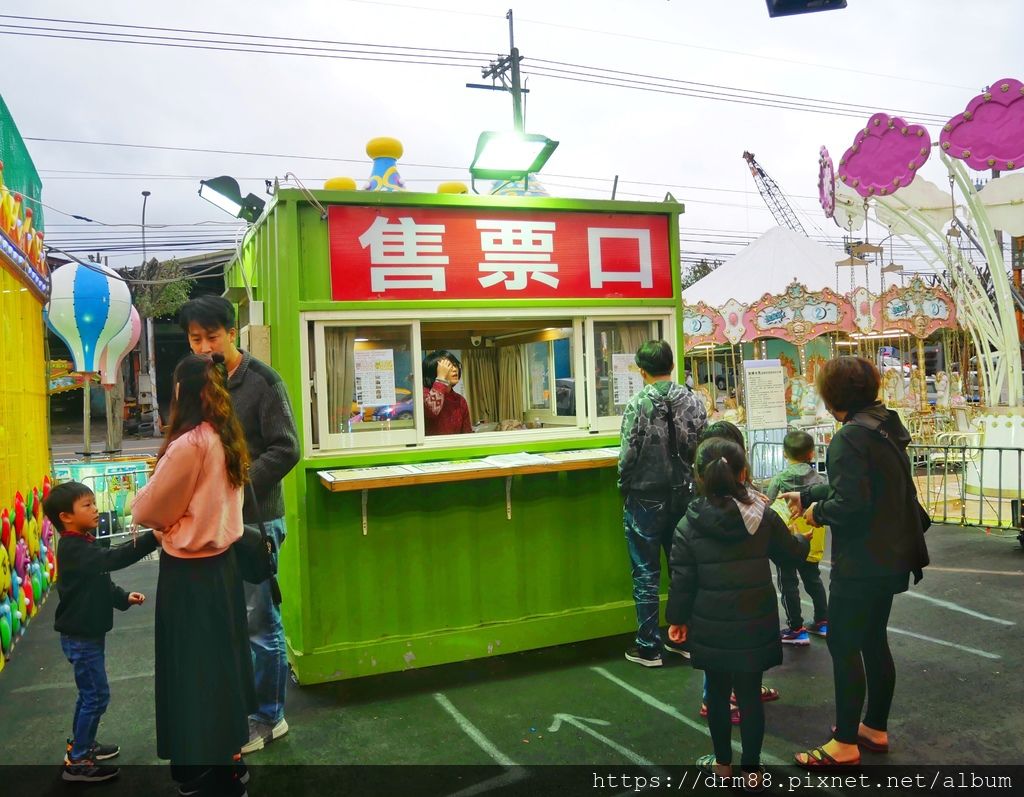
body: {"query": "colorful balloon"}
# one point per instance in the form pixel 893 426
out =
pixel 5 573
pixel 32 537
pixel 118 347
pixel 19 512
pixel 6 631
pixel 21 613
pixel 28 601
pixel 37 590
pixel 89 304
pixel 21 558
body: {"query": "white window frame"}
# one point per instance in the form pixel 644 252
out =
pixel 613 423
pixel 377 438
pixel 584 366
pixel 550 414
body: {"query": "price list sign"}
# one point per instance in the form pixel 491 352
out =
pixel 375 377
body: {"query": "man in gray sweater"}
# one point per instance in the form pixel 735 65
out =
pixel 261 403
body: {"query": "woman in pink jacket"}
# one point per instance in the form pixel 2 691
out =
pixel 204 678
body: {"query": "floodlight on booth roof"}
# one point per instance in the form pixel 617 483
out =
pixel 224 192
pixel 507 156
pixel 784 8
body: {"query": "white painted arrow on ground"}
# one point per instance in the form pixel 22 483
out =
pixel 581 723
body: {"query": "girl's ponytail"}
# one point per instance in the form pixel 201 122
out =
pixel 720 466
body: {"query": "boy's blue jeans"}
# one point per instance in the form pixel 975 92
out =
pixel 649 527
pixel 266 639
pixel 86 655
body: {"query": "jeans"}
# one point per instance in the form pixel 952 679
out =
pixel 861 661
pixel 789 586
pixel 266 639
pixel 86 655
pixel 649 526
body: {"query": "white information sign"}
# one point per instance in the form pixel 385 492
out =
pixel 626 378
pixel 766 394
pixel 375 377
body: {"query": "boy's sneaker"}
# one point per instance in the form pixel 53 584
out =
pixel 263 733
pixel 819 628
pixel 98 752
pixel 85 770
pixel 647 658
pixel 679 650
pixel 795 636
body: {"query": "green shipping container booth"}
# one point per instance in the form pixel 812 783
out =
pixel 408 549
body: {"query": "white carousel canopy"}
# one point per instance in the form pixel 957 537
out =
pixel 770 263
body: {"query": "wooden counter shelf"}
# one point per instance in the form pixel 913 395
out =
pixel 461 473
pixel 407 480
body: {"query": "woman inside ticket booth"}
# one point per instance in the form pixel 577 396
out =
pixel 444 410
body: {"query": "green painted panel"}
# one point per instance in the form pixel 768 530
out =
pixel 442 574
pixel 441 566
pixel 442 556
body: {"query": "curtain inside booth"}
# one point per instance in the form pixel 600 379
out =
pixel 511 380
pixel 480 367
pixel 339 344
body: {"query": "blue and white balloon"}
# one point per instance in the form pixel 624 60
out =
pixel 89 305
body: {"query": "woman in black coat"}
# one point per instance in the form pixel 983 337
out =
pixel 870 504
pixel 722 600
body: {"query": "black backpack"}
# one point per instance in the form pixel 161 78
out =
pixel 680 497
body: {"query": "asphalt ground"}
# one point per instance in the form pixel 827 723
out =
pixel 956 639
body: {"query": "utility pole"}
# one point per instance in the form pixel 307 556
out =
pixel 114 398
pixel 150 337
pixel 504 75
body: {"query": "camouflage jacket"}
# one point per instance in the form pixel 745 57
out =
pixel 644 456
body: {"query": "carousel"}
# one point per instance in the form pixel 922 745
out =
pixel 786 297
pixel 947 337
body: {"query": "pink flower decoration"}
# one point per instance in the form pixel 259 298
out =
pixel 990 133
pixel 885 156
pixel 826 183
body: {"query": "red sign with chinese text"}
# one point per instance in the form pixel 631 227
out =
pixel 476 253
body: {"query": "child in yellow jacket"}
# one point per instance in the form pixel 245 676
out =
pixel 799 473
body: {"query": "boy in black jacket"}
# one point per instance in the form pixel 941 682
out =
pixel 84 615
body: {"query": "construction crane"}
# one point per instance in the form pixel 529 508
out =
pixel 773 196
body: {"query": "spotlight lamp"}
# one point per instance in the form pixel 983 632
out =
pixel 785 8
pixel 224 192
pixel 510 156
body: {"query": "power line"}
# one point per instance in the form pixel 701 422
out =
pixel 716 97
pixel 237 35
pixel 209 47
pixel 416 55
pixel 615 73
pixel 620 35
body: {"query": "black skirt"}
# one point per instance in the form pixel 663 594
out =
pixel 204 677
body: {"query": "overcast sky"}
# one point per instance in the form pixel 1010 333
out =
pixel 923 56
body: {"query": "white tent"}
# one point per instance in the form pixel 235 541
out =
pixel 770 263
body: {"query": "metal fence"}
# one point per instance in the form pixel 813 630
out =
pixel 114 493
pixel 958 484
pixel 766 458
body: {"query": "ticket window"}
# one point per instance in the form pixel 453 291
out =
pixel 534 376
pixel 517 374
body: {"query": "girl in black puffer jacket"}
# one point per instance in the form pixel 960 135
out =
pixel 722 600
